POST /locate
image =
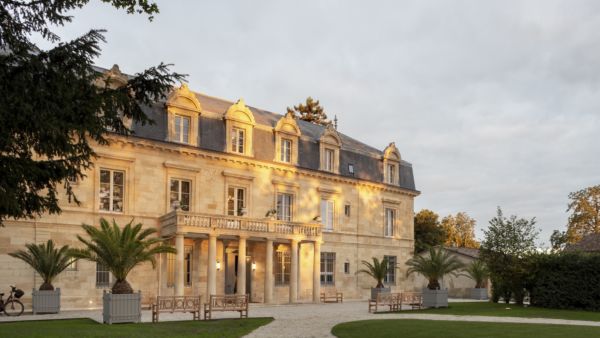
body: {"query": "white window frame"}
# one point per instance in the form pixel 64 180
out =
pixel 237 211
pixel 329 159
pixel 389 222
pixel 238 140
pixel 327 268
pixel 103 276
pixel 390 276
pixel 285 206
pixel 181 135
pixel 180 193
pixel 328 214
pixel 111 191
pixel 391 173
pixel 286 150
pixel 280 273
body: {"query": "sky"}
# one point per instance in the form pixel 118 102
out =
pixel 495 103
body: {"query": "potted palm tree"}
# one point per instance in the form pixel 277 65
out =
pixel 434 266
pixel 377 270
pixel 121 250
pixel 479 273
pixel 48 261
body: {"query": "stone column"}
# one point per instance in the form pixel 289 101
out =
pixel 179 268
pixel 241 270
pixel 317 272
pixel 211 283
pixel 294 272
pixel 269 272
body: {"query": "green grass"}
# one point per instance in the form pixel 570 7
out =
pixel 493 309
pixel 88 328
pixel 454 329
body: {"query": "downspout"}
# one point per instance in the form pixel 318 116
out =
pixel 34 241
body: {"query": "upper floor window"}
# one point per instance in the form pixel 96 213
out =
pixel 286 150
pixel 329 159
pixel 327 268
pixel 112 190
pixel 180 190
pixel 238 139
pixel 351 169
pixel 327 214
pixel 236 201
pixel 390 276
pixel 284 206
pixel 182 129
pixel 390 215
pixel 391 174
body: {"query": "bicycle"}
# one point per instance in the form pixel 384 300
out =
pixel 12 306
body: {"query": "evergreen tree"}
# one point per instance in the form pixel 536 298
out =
pixel 55 104
pixel 428 232
pixel 310 112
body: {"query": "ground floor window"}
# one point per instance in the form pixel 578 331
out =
pixel 390 276
pixel 327 268
pixel 282 267
pixel 187 257
pixel 102 276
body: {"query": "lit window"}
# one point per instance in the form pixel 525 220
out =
pixel 327 207
pixel 391 174
pixel 102 276
pixel 112 188
pixel 286 150
pixel 327 268
pixel 237 140
pixel 282 267
pixel 180 190
pixel 329 154
pixel 390 276
pixel 236 201
pixel 390 215
pixel 284 206
pixel 182 129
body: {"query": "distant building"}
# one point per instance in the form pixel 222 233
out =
pixel 255 202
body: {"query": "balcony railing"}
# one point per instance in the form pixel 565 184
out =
pixel 175 219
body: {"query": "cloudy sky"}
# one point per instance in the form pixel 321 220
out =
pixel 496 103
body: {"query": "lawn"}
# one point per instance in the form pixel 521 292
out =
pixel 454 329
pixel 510 310
pixel 89 328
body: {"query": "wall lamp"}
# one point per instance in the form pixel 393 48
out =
pixel 253 266
pixel 218 265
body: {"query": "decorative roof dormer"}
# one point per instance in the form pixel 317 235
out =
pixel 391 164
pixel 329 145
pixel 239 126
pixel 287 134
pixel 183 109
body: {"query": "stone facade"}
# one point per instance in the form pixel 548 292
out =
pixel 218 227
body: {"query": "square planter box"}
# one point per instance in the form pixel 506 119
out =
pixel 479 293
pixel 376 291
pixel 45 301
pixel 435 298
pixel 122 308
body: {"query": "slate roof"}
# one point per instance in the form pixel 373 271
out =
pixel 589 243
pixel 471 252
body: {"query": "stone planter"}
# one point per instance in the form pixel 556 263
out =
pixel 376 291
pixel 45 301
pixel 479 293
pixel 121 308
pixel 435 298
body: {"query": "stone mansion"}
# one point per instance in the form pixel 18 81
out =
pixel 255 203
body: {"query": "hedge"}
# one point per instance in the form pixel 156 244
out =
pixel 565 281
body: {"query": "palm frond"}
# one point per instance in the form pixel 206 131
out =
pixel 434 266
pixel 46 259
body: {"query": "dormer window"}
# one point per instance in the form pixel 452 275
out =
pixel 329 154
pixel 286 150
pixel 391 164
pixel 182 129
pixel 329 145
pixel 238 139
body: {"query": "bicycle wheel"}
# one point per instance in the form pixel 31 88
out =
pixel 13 308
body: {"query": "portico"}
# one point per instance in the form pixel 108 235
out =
pixel 259 257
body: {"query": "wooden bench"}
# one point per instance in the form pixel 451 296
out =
pixel 391 300
pixel 172 304
pixel 226 303
pixel 412 299
pixel 332 297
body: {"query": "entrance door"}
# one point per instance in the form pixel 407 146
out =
pixel 231 264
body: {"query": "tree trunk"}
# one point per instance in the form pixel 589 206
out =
pixel 121 287
pixel 46 287
pixel 433 284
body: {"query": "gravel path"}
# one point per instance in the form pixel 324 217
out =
pixel 307 320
